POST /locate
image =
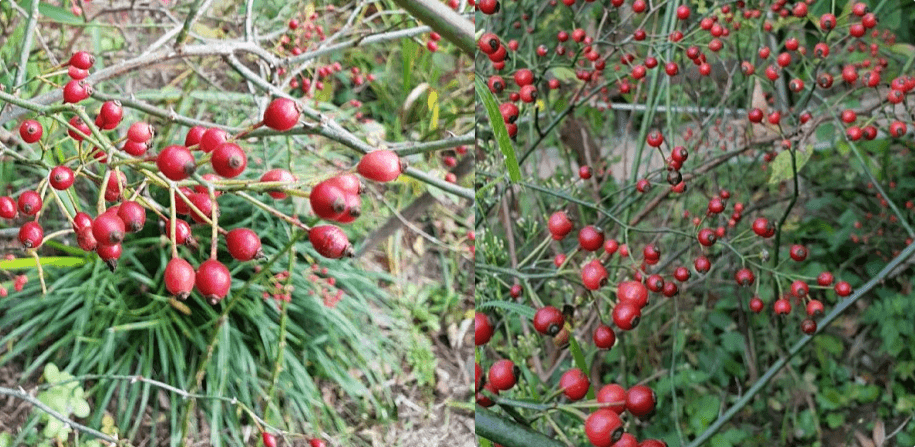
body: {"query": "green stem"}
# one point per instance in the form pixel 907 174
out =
pixel 499 429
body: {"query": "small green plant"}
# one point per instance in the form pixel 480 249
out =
pixel 66 397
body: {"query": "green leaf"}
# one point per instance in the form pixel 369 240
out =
pixel 81 409
pixel 781 166
pixel 58 14
pixel 498 128
pixel 834 420
pixel 520 309
pixel 49 261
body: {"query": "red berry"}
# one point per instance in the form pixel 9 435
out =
pixel 574 384
pixel 211 139
pixel 603 428
pixel 76 91
pixel 814 308
pixel 702 264
pixel 110 115
pixel 82 60
pixel 278 175
pixel 762 227
pixel 213 280
pixel 613 395
pixel 524 77
pixel 559 225
pixel 611 246
pixel 140 132
pixel 327 201
pixel 604 337
pixel 269 439
pixel 756 304
pixel 782 306
pixel 108 229
pixel 632 292
pixel 176 162
pixel 348 183
pixel 707 237
pixel 640 400
pixel 744 277
pixel 593 275
pixel 681 274
pixel 179 277
pixel 483 329
pixel 194 134
pixel 548 320
pixel 31 234
pixel 282 114
pixel 30 131
pixel 109 253
pixel 243 244
pixel 134 148
pixel 61 178
pixel 133 215
pixel 798 252
pixel 85 239
pixel 503 374
pixel 315 442
pixel 206 208
pixel 799 289
pixel 380 166
pixel 81 220
pixel 229 160
pixel 330 241
pixel 626 315
pixel 591 238
pixel 655 138
pixel 515 290
pixel 842 288
pixel 29 203
pixel 683 12
pixel 808 326
pixel 825 279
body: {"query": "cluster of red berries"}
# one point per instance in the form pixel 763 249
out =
pixel 336 199
pixel 270 440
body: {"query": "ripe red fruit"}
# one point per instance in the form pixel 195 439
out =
pixel 559 225
pixel 278 175
pixel 179 278
pixel 626 315
pixel 611 246
pixel 632 292
pixel 825 279
pixel 585 172
pixel 524 77
pixel 515 290
pixel 707 237
pixel 827 21
pixel 613 395
pixel 744 277
pixel 229 160
pixel 213 280
pixel 574 384
pixel 133 215
pixel 109 253
pixel 670 289
pixel 212 138
pixel 483 329
pixel 604 337
pixel 591 238
pixel 110 115
pixel 548 320
pixel 76 73
pixel 85 239
pixel 176 162
pixel 8 207
pixel 194 134
pixel 782 306
pixel 484 400
pixel 140 132
pixel 380 166
pixel 79 125
pixel 655 283
pixel 108 229
pixel 134 148
pixel 80 220
pixel 756 304
pixel 496 84
pixel 282 114
pixel 29 203
pixel 799 288
pixel 330 241
pixel 30 131
pixel 594 275
pixel 808 326
pixel 315 442
pixel 82 60
pixel 269 439
pixel 603 428
pixel 798 252
pixel 76 91
pixel 702 264
pixel 327 201
pixel 61 178
pixel 640 401
pixel 683 12
pixel 207 208
pixel 31 234
pixel 681 274
pixel 115 185
pixel 243 244
pixel 655 138
pixel 814 308
pixel 503 374
pixel 353 209
pixel 762 227
pixel 842 288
